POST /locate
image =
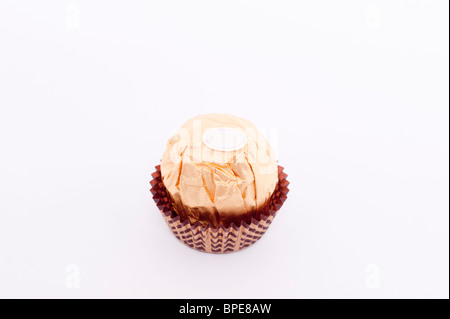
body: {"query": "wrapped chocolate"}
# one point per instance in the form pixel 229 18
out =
pixel 219 185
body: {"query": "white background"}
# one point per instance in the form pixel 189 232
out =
pixel 357 91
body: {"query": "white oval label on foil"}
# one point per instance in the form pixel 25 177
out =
pixel 225 139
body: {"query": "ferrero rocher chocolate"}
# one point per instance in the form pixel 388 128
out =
pixel 218 169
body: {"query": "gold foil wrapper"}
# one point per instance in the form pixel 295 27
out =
pixel 214 185
pixel 220 239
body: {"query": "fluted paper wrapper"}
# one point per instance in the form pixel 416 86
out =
pixel 222 239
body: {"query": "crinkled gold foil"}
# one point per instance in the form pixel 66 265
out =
pixel 217 187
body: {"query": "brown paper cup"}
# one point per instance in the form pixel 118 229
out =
pixel 222 239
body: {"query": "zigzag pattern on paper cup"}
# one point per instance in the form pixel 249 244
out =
pixel 222 239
